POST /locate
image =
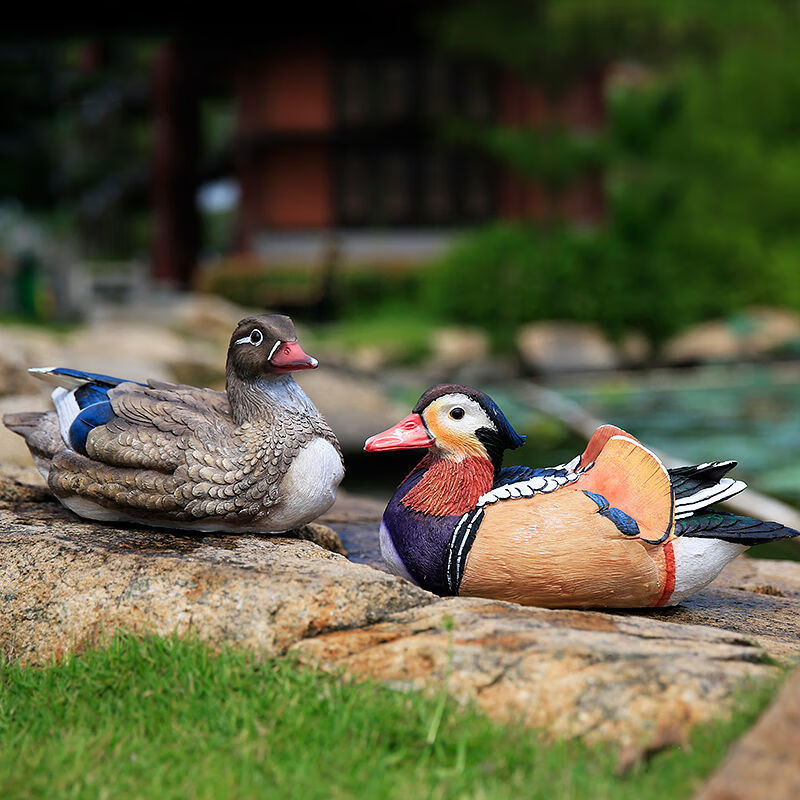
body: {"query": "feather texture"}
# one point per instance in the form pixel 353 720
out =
pixel 171 454
pixel 732 528
pixel 167 439
pixel 612 528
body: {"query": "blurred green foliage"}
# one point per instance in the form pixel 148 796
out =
pixel 700 156
pixel 355 292
pixel 358 289
pixel 76 138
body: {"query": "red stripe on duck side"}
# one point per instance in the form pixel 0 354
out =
pixel 669 582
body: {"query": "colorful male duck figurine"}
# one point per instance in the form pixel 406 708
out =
pixel 258 458
pixel 612 528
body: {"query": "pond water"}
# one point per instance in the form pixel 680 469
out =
pixel 751 414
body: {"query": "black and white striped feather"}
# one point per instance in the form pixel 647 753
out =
pixel 697 487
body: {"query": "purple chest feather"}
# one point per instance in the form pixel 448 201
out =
pixel 420 539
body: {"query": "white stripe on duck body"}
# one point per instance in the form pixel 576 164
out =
pixel 256 458
pixel 612 528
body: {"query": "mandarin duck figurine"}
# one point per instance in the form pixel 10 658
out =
pixel 612 528
pixel 256 458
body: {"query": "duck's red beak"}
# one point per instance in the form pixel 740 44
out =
pixel 408 434
pixel 289 356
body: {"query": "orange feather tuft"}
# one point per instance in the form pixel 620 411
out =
pixel 631 478
pixel 451 487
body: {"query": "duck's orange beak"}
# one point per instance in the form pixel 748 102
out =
pixel 408 434
pixel 289 356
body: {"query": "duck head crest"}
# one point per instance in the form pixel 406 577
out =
pixel 496 437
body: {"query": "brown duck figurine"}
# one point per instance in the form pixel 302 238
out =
pixel 256 458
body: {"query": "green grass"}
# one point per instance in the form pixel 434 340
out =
pixel 164 718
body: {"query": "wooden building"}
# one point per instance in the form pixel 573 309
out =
pixel 340 123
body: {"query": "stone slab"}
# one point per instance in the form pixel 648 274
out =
pixel 634 678
pixel 64 583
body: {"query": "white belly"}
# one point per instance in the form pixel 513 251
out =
pixel 309 487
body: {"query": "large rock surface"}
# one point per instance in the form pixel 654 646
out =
pixel 597 675
pixel 639 679
pixel 64 583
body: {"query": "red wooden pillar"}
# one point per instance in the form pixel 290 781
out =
pixel 285 116
pixel 177 123
pixel 581 108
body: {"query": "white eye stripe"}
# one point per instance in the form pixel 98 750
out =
pixel 255 338
pixel 274 348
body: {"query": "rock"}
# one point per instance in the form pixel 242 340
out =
pixel 709 341
pixel 764 762
pixel 455 347
pixel 639 679
pixel 321 535
pixel 753 597
pixel 12 446
pixel 199 372
pixel 356 520
pixel 755 333
pixel 30 347
pixel 65 583
pixel 126 349
pixel 571 673
pixel 14 377
pixel 368 358
pixel 463 355
pixel 209 317
pixel 547 347
pixel 355 407
pixel 635 349
pixel 134 349
pixel 768 330
pixel 22 484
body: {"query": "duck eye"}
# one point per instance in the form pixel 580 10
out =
pixel 457 412
pixel 256 337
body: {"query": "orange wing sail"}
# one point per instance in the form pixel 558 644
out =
pixel 632 479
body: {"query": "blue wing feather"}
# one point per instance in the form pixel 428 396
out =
pixel 91 393
pixel 109 381
pixel 514 474
pixel 91 398
pixel 88 419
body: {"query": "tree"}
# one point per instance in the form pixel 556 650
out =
pixel 700 154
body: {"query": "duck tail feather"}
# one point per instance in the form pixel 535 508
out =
pixel 687 481
pixel 24 422
pixel 73 378
pixel 40 430
pixel 732 528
